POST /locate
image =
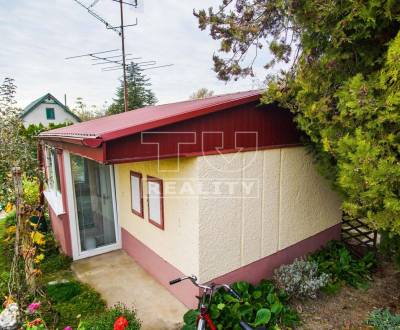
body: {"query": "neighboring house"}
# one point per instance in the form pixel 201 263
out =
pixel 219 187
pixel 47 110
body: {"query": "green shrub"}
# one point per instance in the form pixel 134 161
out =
pixel 382 319
pixel 62 292
pixel 336 260
pixel 105 320
pixel 301 279
pixel 389 246
pixel 260 305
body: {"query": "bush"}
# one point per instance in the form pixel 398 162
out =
pixel 389 246
pixel 336 260
pixel 106 320
pixel 260 305
pixel 382 319
pixel 301 279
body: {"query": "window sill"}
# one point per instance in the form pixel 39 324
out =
pixel 55 202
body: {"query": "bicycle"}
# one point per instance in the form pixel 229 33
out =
pixel 204 318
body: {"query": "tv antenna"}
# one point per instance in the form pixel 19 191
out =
pixel 117 59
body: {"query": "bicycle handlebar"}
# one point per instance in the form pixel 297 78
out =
pixel 177 280
pixel 213 287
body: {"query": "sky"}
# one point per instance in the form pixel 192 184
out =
pixel 37 36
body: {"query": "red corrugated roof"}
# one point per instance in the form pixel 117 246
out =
pixel 124 124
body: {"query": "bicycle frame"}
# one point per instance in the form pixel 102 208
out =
pixel 205 299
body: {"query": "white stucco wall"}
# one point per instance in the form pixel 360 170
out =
pixel 38 115
pixel 292 202
pixel 178 243
pixel 226 211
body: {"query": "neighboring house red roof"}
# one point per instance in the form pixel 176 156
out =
pixel 94 132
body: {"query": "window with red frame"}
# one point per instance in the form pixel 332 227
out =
pixel 136 194
pixel 155 201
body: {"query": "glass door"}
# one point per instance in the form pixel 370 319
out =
pixel 94 204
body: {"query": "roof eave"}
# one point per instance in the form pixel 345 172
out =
pixel 87 142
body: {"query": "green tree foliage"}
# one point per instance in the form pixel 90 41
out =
pixel 18 144
pixel 14 148
pixel 87 113
pixel 139 92
pixel 341 81
pixel 201 93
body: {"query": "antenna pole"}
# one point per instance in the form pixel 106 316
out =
pixel 123 55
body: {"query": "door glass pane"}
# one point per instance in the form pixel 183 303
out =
pixel 93 195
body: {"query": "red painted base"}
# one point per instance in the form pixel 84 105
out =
pixel 160 269
pixel 163 272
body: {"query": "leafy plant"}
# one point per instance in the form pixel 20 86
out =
pixel 336 260
pixel 301 278
pixel 382 319
pixel 260 305
pixel 106 320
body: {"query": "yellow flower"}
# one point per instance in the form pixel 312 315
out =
pixel 9 207
pixel 11 230
pixel 38 238
pixel 39 258
pixel 8 300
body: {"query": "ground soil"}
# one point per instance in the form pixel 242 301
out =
pixel 348 309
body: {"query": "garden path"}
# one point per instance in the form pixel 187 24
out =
pixel 119 279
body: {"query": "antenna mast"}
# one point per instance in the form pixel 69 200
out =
pixel 123 56
pixel 114 59
pixel 119 30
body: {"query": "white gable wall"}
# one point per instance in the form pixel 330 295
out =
pixel 38 115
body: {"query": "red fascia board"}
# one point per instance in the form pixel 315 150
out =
pixel 177 118
pixel 87 142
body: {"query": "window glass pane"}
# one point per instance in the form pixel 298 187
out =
pixel 49 168
pixel 57 183
pixel 94 203
pixel 136 193
pixel 154 191
pixel 50 113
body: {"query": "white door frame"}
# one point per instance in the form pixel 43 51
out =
pixel 77 253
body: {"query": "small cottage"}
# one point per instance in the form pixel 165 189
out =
pixel 218 187
pixel 47 110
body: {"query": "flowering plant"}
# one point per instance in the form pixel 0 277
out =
pixel 33 307
pixel 120 323
pixel 36 324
